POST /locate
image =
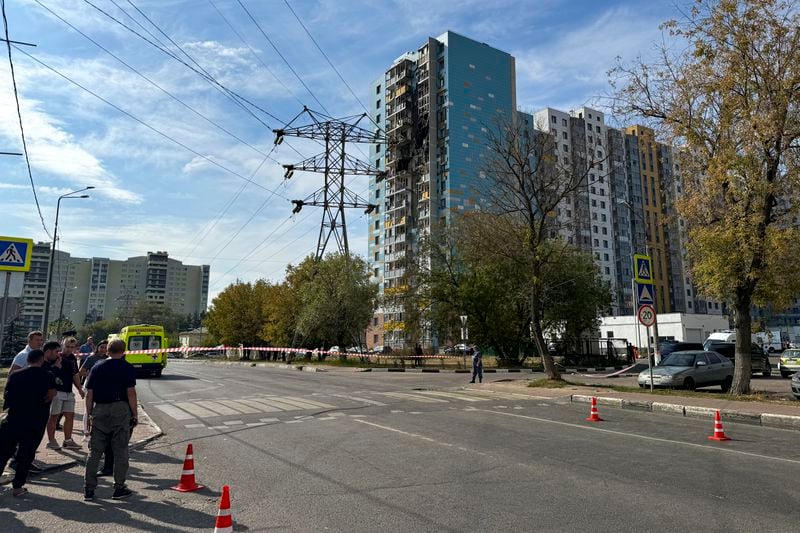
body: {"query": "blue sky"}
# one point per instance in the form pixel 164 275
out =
pixel 152 194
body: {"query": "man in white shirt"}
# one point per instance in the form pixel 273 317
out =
pixel 35 342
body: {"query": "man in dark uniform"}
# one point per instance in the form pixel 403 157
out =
pixel 112 413
pixel 27 398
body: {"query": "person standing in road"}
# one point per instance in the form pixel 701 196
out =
pixel 477 365
pixel 101 353
pixel 35 342
pixel 112 411
pixel 27 398
pixel 86 349
pixel 65 371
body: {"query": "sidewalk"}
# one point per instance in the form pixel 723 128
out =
pixel 50 460
pixel 785 416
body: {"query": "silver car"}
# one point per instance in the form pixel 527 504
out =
pixel 689 370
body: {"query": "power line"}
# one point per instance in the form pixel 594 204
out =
pixel 19 117
pixel 151 82
pixel 148 126
pixel 281 55
pixel 321 51
pixel 253 52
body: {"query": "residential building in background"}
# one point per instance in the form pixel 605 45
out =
pixel 436 105
pixel 91 289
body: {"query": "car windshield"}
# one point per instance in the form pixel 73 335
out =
pixel 679 359
pixel 791 353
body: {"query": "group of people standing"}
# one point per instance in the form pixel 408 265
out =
pixel 39 391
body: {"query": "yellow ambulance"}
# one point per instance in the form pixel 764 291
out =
pixel 144 337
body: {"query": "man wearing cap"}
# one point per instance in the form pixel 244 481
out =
pixel 112 412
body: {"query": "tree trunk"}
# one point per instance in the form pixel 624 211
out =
pixel 743 368
pixel 547 360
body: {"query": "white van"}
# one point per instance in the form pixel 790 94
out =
pixel 722 336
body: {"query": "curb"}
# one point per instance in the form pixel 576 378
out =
pixel 693 411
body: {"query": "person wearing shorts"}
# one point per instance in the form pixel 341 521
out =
pixel 65 370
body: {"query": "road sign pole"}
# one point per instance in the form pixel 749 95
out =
pixel 6 291
pixel 649 359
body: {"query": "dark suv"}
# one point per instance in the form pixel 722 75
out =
pixel 667 347
pixel 759 362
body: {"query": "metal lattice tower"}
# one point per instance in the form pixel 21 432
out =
pixel 335 163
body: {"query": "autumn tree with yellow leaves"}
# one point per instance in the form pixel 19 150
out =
pixel 725 90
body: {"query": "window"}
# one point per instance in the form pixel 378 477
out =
pixel 605 257
pixel 564 134
pixel 376 255
pixel 599 153
pixel 605 243
pixel 564 122
pixel 594 203
pixel 590 115
pixel 597 245
pixel 378 162
pixel 566 148
pixel 378 89
pixel 378 118
pixel 374 321
pixel 375 339
pixel 377 104
pixel 600 166
pixel 597 128
pixel 377 224
pixel 608 271
pixel 603 218
pixel 603 205
pixel 594 229
pixel 602 192
pixel 377 193
pixel 605 230
pixel 589 127
pixel 377 148
pixel 569 213
pixel 713 358
pixel 594 216
pixel 554 119
pixel 375 273
pixel 378 239
pixel 594 191
pixel 591 139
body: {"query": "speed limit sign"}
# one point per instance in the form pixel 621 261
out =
pixel 647 315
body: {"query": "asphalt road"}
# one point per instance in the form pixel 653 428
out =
pixel 344 451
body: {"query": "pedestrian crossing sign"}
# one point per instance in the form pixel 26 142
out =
pixel 15 254
pixel 644 294
pixel 642 269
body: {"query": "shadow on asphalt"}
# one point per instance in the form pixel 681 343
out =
pixel 103 510
pixel 170 377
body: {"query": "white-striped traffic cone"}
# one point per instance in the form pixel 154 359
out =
pixel 224 522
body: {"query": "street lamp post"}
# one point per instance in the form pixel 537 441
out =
pixel 649 252
pixel 49 289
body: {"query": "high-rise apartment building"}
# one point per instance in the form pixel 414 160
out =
pixel 436 105
pixel 87 290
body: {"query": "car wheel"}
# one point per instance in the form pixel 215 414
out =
pixel 158 372
pixel 726 385
pixel 785 375
pixel 688 384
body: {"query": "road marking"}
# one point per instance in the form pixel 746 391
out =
pixel 327 418
pixel 196 410
pixel 644 437
pixel 518 407
pixel 268 420
pixel 357 399
pixel 358 416
pixel 217 407
pixel 415 412
pixel 501 407
pixel 194 426
pixel 412 435
pixel 312 402
pixel 255 424
pixel 292 421
pixel 262 407
pixel 412 397
pixel 395 411
pixel 233 423
pixel 285 405
pixel 192 391
pixel 543 405
pixel 239 406
pixel 174 412
pixel 455 395
pixel 218 427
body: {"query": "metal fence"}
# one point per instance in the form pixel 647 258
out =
pixel 592 352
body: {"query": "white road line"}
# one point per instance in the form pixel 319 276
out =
pixel 255 424
pixel 192 391
pixel 194 426
pixel 311 402
pixel 234 423
pixel 282 404
pixel 327 418
pixel 454 395
pixel 358 416
pixel 218 427
pixel 645 437
pixel 269 420
pixel 293 421
pixel 217 407
pixel 518 407
pixel 412 397
pixel 357 399
pixel 196 410
pixel 261 406
pixel 407 434
pixel 174 412
pixel 501 407
pixel 415 412
pixel 239 406
pixel 394 411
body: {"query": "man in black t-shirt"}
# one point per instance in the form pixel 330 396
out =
pixel 112 410
pixel 66 372
pixel 27 399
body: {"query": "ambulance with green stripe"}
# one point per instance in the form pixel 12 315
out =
pixel 144 337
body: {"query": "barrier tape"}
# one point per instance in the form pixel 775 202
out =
pixel 185 349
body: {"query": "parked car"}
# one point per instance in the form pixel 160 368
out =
pixel 790 362
pixel 796 385
pixel 759 362
pixel 334 349
pixel 380 349
pixel 668 347
pixel 689 370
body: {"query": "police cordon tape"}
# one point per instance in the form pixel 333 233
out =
pixel 222 348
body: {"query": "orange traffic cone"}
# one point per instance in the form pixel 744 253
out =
pixel 719 433
pixel 594 416
pixel 187 482
pixel 224 519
